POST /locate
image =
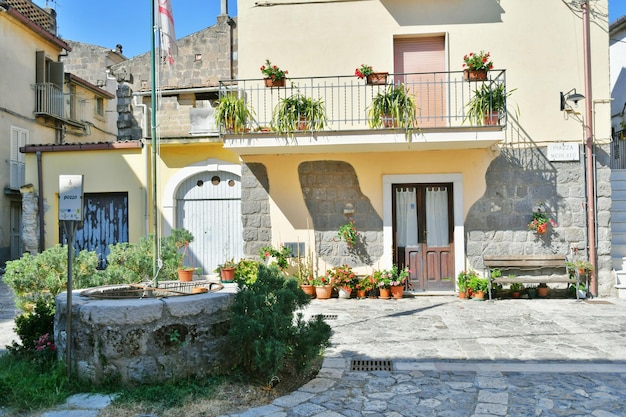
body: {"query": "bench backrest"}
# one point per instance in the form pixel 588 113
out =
pixel 525 261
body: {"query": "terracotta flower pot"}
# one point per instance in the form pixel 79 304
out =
pixel 397 291
pixel 474 75
pixel 323 292
pixel 377 78
pixel 227 274
pixel 308 290
pixel 384 293
pixel 269 82
pixel 185 275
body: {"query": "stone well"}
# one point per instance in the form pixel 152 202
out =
pixel 147 339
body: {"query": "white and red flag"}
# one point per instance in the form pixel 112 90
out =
pixel 166 29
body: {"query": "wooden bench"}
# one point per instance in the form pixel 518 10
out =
pixel 535 263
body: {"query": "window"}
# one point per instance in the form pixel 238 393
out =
pixel 19 138
pixel 99 106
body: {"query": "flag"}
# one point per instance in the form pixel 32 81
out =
pixel 166 29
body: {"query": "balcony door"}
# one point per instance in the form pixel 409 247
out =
pixel 423 60
pixel 423 234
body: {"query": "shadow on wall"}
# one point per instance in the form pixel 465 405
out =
pixel 328 187
pixel 431 12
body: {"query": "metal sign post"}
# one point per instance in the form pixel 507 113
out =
pixel 70 213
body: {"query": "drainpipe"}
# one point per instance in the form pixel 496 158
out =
pixel 146 163
pixel 590 177
pixel 40 203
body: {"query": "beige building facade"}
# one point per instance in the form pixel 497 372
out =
pixel 439 197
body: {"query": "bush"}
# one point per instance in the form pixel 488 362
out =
pixel 263 327
pixel 43 276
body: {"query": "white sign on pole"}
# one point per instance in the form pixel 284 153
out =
pixel 71 197
pixel 563 152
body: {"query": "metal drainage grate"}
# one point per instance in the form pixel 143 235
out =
pixel 597 302
pixel 327 316
pixel 371 365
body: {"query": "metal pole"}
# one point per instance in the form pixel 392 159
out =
pixel 590 177
pixel 69 226
pixel 153 125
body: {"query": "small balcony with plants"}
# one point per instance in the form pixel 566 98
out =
pixel 374 111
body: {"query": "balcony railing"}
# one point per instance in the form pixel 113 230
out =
pixel 49 100
pixel 441 98
pixel 618 150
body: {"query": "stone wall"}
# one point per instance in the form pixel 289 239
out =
pixel 518 180
pixel 145 340
pixel 255 209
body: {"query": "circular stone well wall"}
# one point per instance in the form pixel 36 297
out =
pixel 145 340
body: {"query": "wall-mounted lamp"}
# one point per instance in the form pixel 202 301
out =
pixel 570 97
pixel 348 210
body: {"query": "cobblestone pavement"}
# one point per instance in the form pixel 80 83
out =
pixel 448 357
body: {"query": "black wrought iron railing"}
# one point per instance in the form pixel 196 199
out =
pixel 442 100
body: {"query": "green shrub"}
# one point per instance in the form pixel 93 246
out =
pixel 43 276
pixel 246 271
pixel 36 329
pixel 263 328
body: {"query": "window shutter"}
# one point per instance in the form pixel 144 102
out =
pixel 17 171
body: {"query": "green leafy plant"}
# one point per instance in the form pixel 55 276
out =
pixel 516 287
pixel 264 330
pixel 246 271
pixel 348 233
pixel 232 113
pixel 464 278
pixel 281 256
pixel 393 107
pixel 341 276
pixel 540 222
pixel 298 112
pixel 363 71
pixel 272 71
pixel 477 283
pixel 478 61
pixel 368 282
pixel 579 264
pixel 489 98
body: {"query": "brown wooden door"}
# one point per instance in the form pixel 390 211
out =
pixel 423 234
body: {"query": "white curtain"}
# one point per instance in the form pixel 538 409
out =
pixel 406 217
pixel 437 216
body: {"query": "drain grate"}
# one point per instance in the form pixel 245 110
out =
pixel 371 365
pixel 597 302
pixel 327 316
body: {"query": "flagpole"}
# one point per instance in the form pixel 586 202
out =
pixel 153 124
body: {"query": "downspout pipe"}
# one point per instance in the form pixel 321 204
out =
pixel 40 203
pixel 590 177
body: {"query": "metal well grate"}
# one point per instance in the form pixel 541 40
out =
pixel 598 302
pixel 327 316
pixel 367 365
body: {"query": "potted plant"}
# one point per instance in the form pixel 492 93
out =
pixel 398 280
pixel 463 280
pixel 348 233
pixel 274 76
pixel 371 77
pixel 476 66
pixel 540 222
pixel 516 289
pixel 531 290
pixel 581 266
pixel 343 279
pixel 479 286
pixel 298 112
pixel 232 113
pixel 323 287
pixel 487 104
pixel 227 270
pixel 246 271
pixel 393 107
pixel 542 290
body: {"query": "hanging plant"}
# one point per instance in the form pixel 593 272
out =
pixel 540 222
pixel 348 233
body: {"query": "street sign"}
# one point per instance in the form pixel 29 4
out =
pixel 71 197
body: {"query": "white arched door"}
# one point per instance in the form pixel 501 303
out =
pixel 208 204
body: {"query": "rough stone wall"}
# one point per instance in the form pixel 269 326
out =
pixel 328 186
pixel 255 209
pixel 203 59
pixel 30 222
pixel 520 179
pixel 144 340
pixel 128 128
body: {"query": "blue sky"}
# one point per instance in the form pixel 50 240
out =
pixel 128 21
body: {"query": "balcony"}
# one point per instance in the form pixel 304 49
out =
pixel 442 120
pixel 50 102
